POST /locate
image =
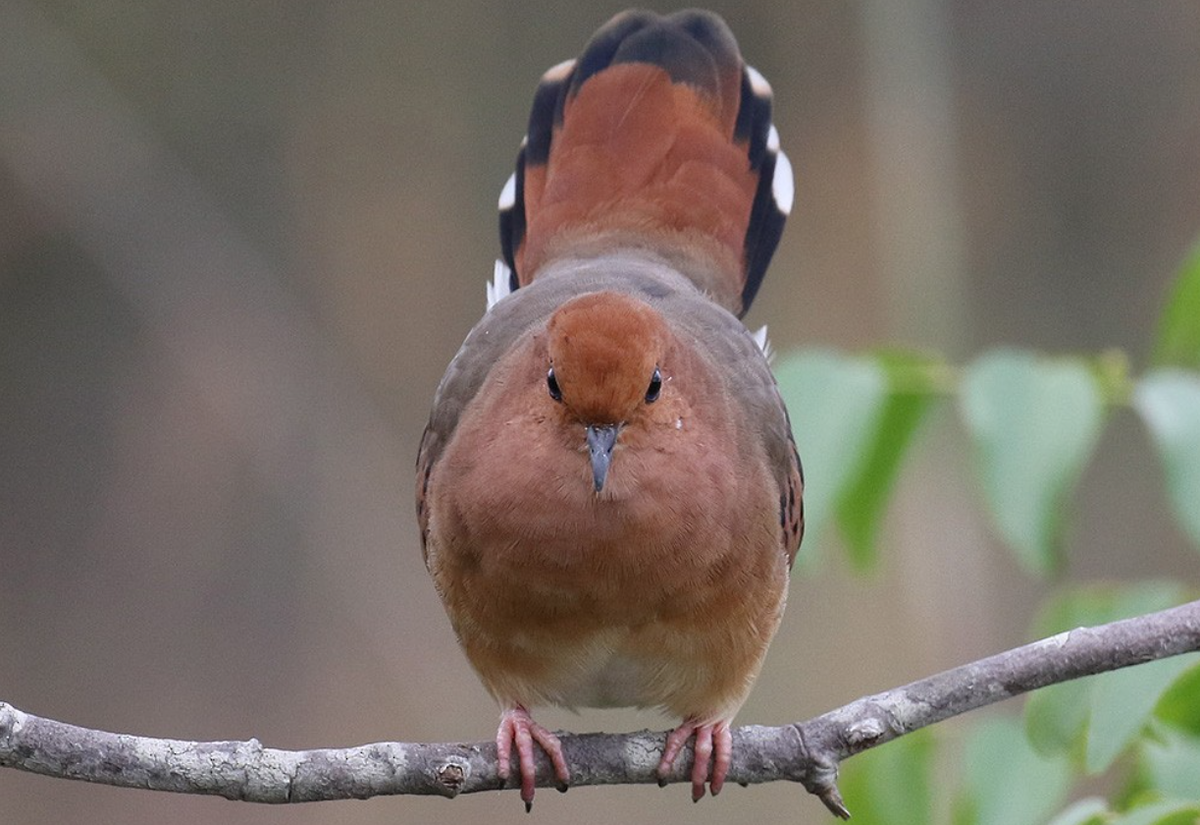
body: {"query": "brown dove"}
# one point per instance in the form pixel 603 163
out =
pixel 608 489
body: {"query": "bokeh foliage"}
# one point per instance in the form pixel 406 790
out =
pixel 1033 422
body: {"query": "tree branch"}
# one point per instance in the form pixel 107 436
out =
pixel 806 752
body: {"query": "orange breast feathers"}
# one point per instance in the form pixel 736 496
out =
pixel 644 159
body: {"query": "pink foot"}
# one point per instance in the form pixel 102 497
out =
pixel 714 745
pixel 516 725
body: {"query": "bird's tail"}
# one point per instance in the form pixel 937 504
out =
pixel 658 136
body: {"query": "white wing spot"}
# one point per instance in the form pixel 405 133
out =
pixel 783 187
pixel 758 83
pixel 760 338
pixel 773 139
pixel 558 71
pixel 500 285
pixel 508 195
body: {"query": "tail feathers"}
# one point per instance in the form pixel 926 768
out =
pixel 658 136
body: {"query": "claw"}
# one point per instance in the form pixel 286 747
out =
pixel 517 727
pixel 714 748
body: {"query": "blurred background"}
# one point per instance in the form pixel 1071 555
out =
pixel 240 241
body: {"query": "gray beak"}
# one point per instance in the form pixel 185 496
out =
pixel 600 445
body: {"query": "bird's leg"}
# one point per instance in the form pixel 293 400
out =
pixel 517 726
pixel 714 746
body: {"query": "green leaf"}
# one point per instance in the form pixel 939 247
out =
pixel 864 499
pixel 1169 764
pixel 890 785
pixel 835 403
pixel 1178 341
pixel 1057 717
pixel 1034 424
pixel 1169 402
pixel 1162 813
pixel 1089 811
pixel 1007 782
pixel 1123 701
pixel 1179 706
pixel 1077 606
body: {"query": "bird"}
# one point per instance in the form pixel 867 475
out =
pixel 608 488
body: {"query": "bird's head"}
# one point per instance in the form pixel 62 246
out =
pixel 605 368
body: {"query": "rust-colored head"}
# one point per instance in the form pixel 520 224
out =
pixel 605 351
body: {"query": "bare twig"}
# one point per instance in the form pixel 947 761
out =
pixel 806 752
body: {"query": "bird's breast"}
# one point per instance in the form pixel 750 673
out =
pixel 529 504
pixel 632 595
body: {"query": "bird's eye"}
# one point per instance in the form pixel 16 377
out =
pixel 552 385
pixel 655 387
